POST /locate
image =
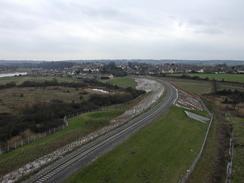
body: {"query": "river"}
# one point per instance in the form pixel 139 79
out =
pixel 13 74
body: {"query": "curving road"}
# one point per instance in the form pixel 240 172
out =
pixel 64 167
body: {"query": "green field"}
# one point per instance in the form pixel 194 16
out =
pixel 123 82
pixel 79 127
pixel 238 158
pixel 161 152
pixel 225 77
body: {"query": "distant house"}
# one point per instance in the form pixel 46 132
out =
pixel 240 72
pixel 171 71
pixel 86 70
pixel 200 71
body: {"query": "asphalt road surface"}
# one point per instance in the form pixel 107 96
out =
pixel 69 164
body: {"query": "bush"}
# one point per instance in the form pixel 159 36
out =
pixel 8 85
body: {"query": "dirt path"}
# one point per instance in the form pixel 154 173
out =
pixel 154 91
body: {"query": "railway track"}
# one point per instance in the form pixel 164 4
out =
pixel 70 163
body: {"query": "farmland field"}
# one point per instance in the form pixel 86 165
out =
pixel 225 77
pixel 162 152
pixel 123 82
pixel 193 86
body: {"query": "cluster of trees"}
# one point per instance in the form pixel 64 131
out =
pixel 7 123
pixel 105 100
pixel 187 76
pixel 39 117
pixel 111 68
pixel 232 96
pixel 8 85
pixel 184 76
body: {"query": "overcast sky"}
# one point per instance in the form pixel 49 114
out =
pixel 120 29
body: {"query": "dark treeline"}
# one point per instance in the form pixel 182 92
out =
pixel 232 96
pixel 40 117
pixel 101 100
pixel 187 76
pixel 184 76
pixel 54 82
pixel 8 85
pixel 35 64
pixel 55 65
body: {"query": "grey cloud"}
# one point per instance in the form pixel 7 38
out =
pixel 200 22
pixel 201 26
pixel 121 29
pixel 212 31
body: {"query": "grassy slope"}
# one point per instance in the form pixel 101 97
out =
pixel 159 153
pixel 123 82
pixel 79 126
pixel 238 158
pixel 226 77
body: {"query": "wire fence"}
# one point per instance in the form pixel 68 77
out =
pixel 10 146
pixel 186 177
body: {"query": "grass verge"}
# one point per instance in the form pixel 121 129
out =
pixel 161 152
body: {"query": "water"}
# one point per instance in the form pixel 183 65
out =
pixel 13 74
pixel 100 90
